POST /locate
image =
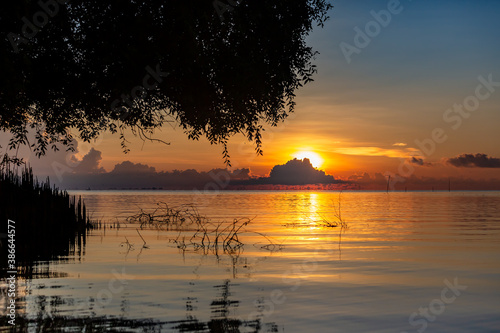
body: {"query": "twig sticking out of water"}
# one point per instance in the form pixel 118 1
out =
pixel 213 237
pixel 272 246
pixel 163 217
pixel 339 220
pixel 127 244
pixel 144 246
pixel 196 231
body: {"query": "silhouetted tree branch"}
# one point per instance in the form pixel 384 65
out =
pixel 93 66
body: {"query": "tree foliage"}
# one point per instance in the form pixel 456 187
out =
pixel 213 68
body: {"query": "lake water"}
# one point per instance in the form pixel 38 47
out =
pixel 408 262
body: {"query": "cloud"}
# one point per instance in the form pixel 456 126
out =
pixel 59 164
pixel 294 172
pixel 56 164
pixel 474 161
pixel 400 144
pixel 377 151
pixel 419 161
pixel 366 178
pixel 128 167
pixel 89 164
pixel 129 175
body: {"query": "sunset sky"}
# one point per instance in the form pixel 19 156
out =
pixel 366 111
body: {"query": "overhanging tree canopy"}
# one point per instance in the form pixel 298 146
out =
pixel 217 68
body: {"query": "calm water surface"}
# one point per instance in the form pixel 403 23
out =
pixel 408 262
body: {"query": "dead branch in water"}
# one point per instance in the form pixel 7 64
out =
pixel 338 222
pixel 163 217
pixel 195 231
pixel 127 244
pixel 144 246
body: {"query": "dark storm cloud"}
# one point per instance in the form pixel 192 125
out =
pixel 474 161
pixel 419 161
pixel 128 167
pixel 294 172
pixel 129 175
pixel 90 163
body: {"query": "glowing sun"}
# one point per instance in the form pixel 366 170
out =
pixel 315 158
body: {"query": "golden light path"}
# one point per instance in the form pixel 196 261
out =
pixel 315 158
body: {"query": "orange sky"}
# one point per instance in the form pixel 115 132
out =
pixel 369 115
